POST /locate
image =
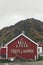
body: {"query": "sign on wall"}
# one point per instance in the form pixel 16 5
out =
pixel 22 51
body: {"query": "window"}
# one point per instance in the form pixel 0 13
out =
pixel 16 46
pixel 26 45
pixel 21 43
pixel 3 56
pixel 18 42
pixel 38 50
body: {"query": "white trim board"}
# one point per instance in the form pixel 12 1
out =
pixel 3 47
pixel 18 37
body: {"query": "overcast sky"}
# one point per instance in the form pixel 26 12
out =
pixel 11 11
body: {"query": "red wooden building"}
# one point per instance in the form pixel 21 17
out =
pixel 20 47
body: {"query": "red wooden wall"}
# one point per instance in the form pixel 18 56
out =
pixel 30 44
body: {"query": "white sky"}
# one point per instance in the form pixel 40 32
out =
pixel 11 11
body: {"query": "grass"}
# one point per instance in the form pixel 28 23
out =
pixel 21 60
pixel 4 61
pixel 40 57
pixel 7 61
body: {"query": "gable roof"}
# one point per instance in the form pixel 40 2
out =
pixel 18 37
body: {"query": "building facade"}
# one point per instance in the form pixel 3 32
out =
pixel 20 47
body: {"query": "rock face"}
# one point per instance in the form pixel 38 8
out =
pixel 33 29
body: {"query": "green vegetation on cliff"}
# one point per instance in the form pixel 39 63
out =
pixel 33 29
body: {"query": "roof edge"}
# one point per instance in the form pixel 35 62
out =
pixel 19 36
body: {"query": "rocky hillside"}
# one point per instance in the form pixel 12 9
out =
pixel 33 29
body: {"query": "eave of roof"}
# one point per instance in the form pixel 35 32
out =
pixel 18 37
